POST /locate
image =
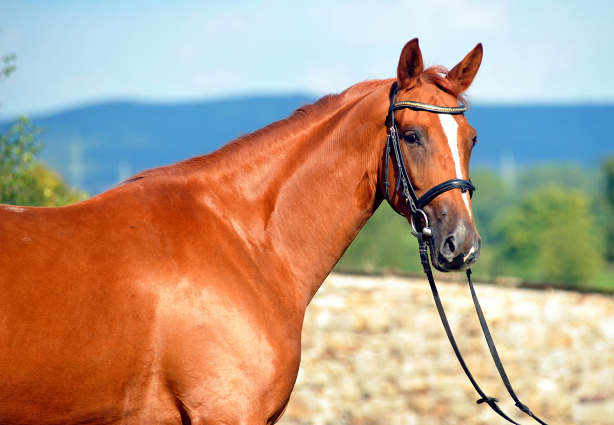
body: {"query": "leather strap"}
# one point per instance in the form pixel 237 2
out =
pixel 392 144
pixel 419 106
pixel 495 354
pixel 491 401
pixel 416 204
pixel 463 185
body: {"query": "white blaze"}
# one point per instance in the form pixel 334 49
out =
pixel 450 129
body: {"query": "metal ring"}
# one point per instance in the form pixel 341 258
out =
pixel 426 221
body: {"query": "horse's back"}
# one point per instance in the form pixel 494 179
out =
pixel 106 304
pixel 75 328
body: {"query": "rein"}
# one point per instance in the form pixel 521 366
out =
pixel 415 205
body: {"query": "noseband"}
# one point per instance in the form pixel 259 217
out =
pixel 392 142
pixel 416 205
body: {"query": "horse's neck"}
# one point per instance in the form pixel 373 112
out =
pixel 301 193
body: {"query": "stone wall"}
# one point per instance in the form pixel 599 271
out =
pixel 374 352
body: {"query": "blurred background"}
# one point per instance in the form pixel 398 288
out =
pixel 93 92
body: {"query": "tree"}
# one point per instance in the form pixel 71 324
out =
pixel 8 66
pixel 18 147
pixel 550 236
pixel 23 180
pixel 384 243
pixel 608 167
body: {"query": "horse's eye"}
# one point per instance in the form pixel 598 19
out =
pixel 411 138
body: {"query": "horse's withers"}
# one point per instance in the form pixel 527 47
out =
pixel 179 296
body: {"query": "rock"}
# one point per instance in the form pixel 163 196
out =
pixel 374 352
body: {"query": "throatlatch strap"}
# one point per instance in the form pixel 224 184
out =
pixel 491 401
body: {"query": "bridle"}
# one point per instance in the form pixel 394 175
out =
pixel 416 206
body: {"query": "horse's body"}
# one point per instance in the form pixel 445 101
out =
pixel 179 296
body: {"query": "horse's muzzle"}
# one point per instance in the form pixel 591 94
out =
pixel 457 251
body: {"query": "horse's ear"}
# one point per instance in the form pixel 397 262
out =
pixel 410 65
pixel 463 74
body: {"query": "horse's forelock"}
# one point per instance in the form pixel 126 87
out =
pixel 437 75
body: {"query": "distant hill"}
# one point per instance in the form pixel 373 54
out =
pixel 97 146
pixel 534 134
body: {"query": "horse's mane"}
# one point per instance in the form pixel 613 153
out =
pixel 330 101
pixel 434 75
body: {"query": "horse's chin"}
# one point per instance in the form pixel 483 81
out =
pixel 450 267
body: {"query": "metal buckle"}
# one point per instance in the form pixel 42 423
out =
pixel 426 229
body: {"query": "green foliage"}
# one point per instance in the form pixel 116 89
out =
pixel 18 147
pixel 550 236
pixel 491 198
pixel 23 181
pixel 552 230
pixel 8 65
pixel 608 168
pixel 567 175
pixel 384 243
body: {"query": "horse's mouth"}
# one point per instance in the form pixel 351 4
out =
pixel 458 264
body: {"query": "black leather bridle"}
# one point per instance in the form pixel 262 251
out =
pixel 416 205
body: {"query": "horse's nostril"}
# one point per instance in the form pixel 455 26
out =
pixel 449 247
pixel 458 250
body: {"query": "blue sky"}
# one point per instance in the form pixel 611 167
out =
pixel 71 53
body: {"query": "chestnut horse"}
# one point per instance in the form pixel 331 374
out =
pixel 179 295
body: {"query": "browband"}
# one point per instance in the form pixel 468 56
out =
pixel 418 106
pixel 392 146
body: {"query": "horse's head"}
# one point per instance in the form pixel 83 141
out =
pixel 435 145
